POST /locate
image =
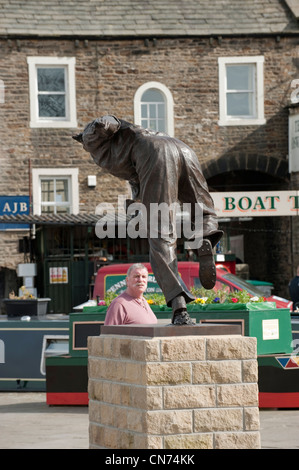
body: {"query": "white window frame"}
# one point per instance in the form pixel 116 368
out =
pixel 168 102
pixel 258 119
pixel 71 118
pixel 39 173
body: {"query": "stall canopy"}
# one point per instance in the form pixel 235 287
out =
pixel 59 219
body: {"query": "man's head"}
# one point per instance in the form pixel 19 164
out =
pixel 137 276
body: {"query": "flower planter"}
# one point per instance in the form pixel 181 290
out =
pixel 22 307
pixel 270 325
pixel 217 307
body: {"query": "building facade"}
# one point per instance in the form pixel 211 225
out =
pixel 222 78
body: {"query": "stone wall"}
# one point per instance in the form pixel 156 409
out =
pixel 187 392
pixel 108 74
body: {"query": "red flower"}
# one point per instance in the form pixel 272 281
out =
pixel 234 300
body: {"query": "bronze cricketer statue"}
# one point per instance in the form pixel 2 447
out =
pixel 159 169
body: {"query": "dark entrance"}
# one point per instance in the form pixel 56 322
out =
pixel 267 241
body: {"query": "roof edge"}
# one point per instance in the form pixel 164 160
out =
pixel 149 35
pixel 294 7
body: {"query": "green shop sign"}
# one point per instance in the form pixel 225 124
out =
pixel 116 283
pixel 256 204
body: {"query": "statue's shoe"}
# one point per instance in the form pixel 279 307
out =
pixel 181 317
pixel 207 268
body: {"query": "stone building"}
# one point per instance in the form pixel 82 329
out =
pixel 221 76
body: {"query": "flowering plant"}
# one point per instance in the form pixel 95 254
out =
pixel 202 297
pixel 26 295
pixel 155 299
pixel 108 298
pixel 222 296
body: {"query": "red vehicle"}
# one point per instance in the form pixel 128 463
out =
pixel 111 278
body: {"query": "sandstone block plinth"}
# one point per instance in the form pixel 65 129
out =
pixel 185 392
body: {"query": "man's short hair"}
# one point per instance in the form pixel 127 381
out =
pixel 136 266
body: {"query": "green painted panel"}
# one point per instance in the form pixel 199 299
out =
pixel 271 326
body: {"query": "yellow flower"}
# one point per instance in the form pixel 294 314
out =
pixel 150 301
pixel 200 300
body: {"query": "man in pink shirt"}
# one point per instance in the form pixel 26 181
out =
pixel 130 306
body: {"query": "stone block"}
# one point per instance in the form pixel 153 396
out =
pixel 146 350
pixel 145 441
pixel 180 348
pixel 94 410
pixel 110 437
pixel 237 395
pixel 106 415
pixel 165 373
pixel 134 372
pixel 147 398
pixel 95 368
pixel 216 372
pixel 189 441
pixel 169 422
pixel 252 418
pixel 238 440
pixel 231 347
pixel 95 347
pixel 96 433
pixel 189 396
pixel 217 419
pixel 136 420
pixel 250 371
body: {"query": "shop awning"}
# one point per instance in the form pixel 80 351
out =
pixel 61 219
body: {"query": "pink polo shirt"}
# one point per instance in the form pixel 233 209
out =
pixel 125 310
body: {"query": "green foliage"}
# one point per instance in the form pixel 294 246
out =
pixel 202 296
pixel 109 297
pixel 222 296
pixel 155 299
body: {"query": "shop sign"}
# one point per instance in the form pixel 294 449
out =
pixel 58 275
pixel 2 352
pixel 270 329
pixel 14 205
pixel 256 204
pixel 116 283
pixel 294 143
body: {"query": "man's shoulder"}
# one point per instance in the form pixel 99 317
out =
pixel 120 299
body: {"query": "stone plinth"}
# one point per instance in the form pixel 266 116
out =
pixel 173 392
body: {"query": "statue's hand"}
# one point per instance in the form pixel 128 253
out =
pixel 135 188
pixel 78 137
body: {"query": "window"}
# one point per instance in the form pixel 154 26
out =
pixel 2 92
pixel 153 107
pixel 52 92
pixel 55 191
pixel 153 110
pixel 55 195
pixel 241 91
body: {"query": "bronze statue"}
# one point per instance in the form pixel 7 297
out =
pixel 159 169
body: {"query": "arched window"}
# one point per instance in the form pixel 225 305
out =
pixel 153 107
